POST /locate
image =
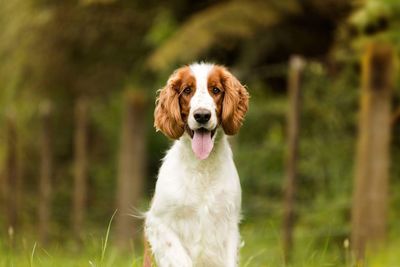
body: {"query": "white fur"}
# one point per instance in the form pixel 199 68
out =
pixel 194 216
pixel 202 98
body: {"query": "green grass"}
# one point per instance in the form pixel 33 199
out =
pixel 60 255
pixel 261 248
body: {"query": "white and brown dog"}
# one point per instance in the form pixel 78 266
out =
pixel 194 215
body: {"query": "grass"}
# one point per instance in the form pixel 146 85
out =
pixel 104 246
pixel 261 248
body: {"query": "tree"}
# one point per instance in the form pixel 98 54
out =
pixel 249 33
pixel 80 166
pixel 218 22
pixel 370 196
pixel 85 50
pixel 46 172
pixel 11 179
pixel 131 167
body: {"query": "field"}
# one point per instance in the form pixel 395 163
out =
pixel 261 247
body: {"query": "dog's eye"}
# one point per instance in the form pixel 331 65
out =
pixel 187 90
pixel 216 90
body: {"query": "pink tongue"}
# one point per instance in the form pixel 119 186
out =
pixel 202 144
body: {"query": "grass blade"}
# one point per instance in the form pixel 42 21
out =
pixel 104 247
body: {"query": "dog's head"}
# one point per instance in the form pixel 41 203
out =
pixel 197 100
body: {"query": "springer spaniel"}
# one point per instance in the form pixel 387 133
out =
pixel 194 215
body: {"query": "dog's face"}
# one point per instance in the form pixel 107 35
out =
pixel 197 100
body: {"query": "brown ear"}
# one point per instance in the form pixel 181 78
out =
pixel 234 105
pixel 167 115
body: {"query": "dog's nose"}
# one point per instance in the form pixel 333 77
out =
pixel 202 115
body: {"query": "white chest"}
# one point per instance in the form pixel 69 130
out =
pixel 200 204
pixel 203 220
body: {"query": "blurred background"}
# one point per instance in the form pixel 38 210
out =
pixel 318 153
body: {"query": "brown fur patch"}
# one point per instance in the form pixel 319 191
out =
pixel 172 104
pixel 232 103
pixel 215 80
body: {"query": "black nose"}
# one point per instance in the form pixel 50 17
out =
pixel 202 115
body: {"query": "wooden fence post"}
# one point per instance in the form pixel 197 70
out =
pixel 296 66
pixel 370 196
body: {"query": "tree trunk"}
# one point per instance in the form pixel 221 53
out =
pixel 296 65
pixel 396 116
pixel 2 200
pixel 80 168
pixel 46 170
pixel 3 188
pixel 370 199
pixel 11 176
pixel 132 159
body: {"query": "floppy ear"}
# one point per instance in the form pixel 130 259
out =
pixel 234 105
pixel 167 115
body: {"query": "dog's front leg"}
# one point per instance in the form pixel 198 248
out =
pixel 165 244
pixel 233 247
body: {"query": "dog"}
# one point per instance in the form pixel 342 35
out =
pixel 194 215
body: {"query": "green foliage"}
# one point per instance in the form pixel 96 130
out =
pixel 376 20
pixel 238 19
pixel 328 131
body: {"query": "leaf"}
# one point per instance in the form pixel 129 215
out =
pixel 238 19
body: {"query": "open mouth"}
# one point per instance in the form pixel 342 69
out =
pixel 202 142
pixel 201 130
